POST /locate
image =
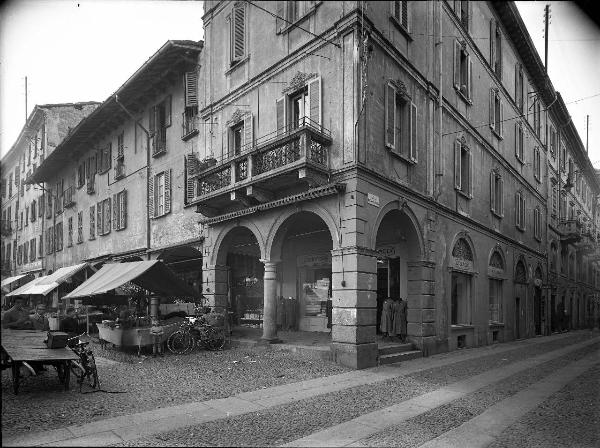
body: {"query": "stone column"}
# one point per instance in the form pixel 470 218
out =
pixel 421 304
pixel 215 287
pixel 354 314
pixel 270 302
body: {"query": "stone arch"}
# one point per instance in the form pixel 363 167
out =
pixel 273 242
pixel 497 259
pixel 404 208
pixel 520 273
pixel 217 256
pixel 457 245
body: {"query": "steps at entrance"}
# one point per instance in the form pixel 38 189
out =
pixel 391 353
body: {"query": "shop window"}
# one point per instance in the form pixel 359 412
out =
pixel 462 168
pixel 460 299
pixel 463 71
pixel 496 193
pixel 496 113
pixel 159 194
pixel 400 122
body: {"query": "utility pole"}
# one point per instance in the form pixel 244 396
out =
pixel 547 24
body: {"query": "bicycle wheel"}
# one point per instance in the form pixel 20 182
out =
pixel 214 338
pixel 92 372
pixel 180 342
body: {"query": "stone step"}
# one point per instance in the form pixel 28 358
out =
pixel 399 357
pixel 388 349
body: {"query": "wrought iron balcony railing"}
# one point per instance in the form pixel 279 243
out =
pixel 159 142
pixel 69 197
pixel 295 146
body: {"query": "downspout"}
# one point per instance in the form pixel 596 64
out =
pixel 438 154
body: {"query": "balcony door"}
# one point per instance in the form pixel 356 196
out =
pixel 299 108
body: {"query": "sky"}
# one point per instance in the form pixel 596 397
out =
pixel 84 50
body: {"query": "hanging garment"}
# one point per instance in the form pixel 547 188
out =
pixel 386 317
pixel 399 310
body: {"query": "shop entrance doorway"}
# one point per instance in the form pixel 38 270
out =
pixel 388 283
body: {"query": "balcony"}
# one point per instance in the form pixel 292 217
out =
pixel 69 197
pixel 119 170
pixel 570 230
pixel 159 142
pixel 6 227
pixel 292 159
pixel 189 125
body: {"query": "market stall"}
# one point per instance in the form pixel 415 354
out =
pixel 109 283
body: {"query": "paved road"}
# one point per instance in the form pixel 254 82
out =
pixel 537 392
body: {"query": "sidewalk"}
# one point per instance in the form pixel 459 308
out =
pixel 129 427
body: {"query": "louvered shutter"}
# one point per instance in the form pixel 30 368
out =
pixel 501 130
pixel 470 174
pixel 124 209
pixel 191 88
pixel 517 84
pixel 99 229
pixel 390 116
pixel 413 132
pixel 470 78
pixel 501 197
pixel 115 210
pixel 238 32
pixel 280 11
pixel 248 132
pixel 167 103
pixel 457 170
pixel 457 50
pixel 151 196
pixel 492 110
pixel 517 140
pixel 499 53
pixel 190 189
pixel 168 191
pixel 493 44
pixel 493 192
pixel 107 215
pixel 314 100
pixel 280 112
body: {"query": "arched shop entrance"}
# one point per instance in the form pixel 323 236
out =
pixel 186 263
pixel 302 247
pixel 398 263
pixel 239 277
pixel 538 303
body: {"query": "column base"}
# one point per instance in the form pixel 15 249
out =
pixel 355 356
pixel 268 341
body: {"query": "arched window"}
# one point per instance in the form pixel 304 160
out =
pixel 462 250
pixel 553 255
pixel 520 272
pixel 495 270
pixel 460 304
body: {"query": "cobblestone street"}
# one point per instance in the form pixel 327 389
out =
pixel 537 392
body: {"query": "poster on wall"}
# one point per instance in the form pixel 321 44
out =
pixel 315 297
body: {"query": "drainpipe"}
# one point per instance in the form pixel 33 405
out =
pixel 438 154
pixel 153 300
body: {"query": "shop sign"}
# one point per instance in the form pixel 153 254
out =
pixel 492 271
pixel 315 260
pixel 386 251
pixel 373 199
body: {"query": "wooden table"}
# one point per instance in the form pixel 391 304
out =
pixel 19 346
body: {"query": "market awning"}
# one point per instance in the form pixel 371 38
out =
pixel 152 275
pixel 10 280
pixel 46 284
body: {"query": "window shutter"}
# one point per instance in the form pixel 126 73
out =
pixel 492 110
pixel 390 116
pixel 238 32
pixel 279 23
pixel 99 227
pixel 517 208
pixel 499 53
pixel 501 118
pixel 314 101
pixel 190 189
pixel 457 50
pixel 405 14
pixel 493 44
pixel 191 88
pixel 168 191
pixel 457 173
pixel 470 78
pixel 413 132
pixel 501 197
pixel 167 102
pixel 151 196
pixel 470 156
pixel 248 132
pixel 124 209
pixel 280 112
pixel 115 209
pixel 493 191
pixel 517 140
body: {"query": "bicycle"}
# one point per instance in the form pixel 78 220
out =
pixel 193 333
pixel 85 368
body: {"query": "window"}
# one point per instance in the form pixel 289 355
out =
pixel 93 222
pixel 237 138
pixel 537 224
pixel 159 194
pixel 537 122
pixel 554 187
pixel 519 142
pixel 496 112
pixel 58 204
pixel 20 254
pixel 553 256
pixel 537 164
pixel 120 210
pixel 26 215
pixel 105 156
pixel 58 238
pixel 103 217
pixel 460 299
pixel 563 157
pixel 293 10
pixel 461 9
pixel 237 32
pixel 10 185
pixel 3 188
pixel 496 48
pixel 25 252
pixel 80 175
pixel 400 13
pixel 463 71
pixel 32 249
pixel 496 193
pixel 190 113
pixel 50 240
pixel 79 227
pixel 400 122
pixel 552 142
pixel 70 232
pixel 160 120
pixel 520 210
pixel 121 146
pixel 571 169
pixel 33 214
pixel 462 168
pixel 302 108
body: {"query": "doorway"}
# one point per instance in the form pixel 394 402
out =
pixel 518 318
pixel 537 310
pixel 388 283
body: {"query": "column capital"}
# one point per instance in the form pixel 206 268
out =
pixel 271 262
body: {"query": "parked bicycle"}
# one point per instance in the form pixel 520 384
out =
pixel 84 369
pixel 193 333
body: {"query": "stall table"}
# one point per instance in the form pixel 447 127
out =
pixel 19 346
pixel 128 337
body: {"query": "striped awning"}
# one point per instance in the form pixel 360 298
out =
pixel 48 283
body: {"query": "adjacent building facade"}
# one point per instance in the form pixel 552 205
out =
pixel 312 158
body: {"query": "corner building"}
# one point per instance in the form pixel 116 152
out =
pixel 350 151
